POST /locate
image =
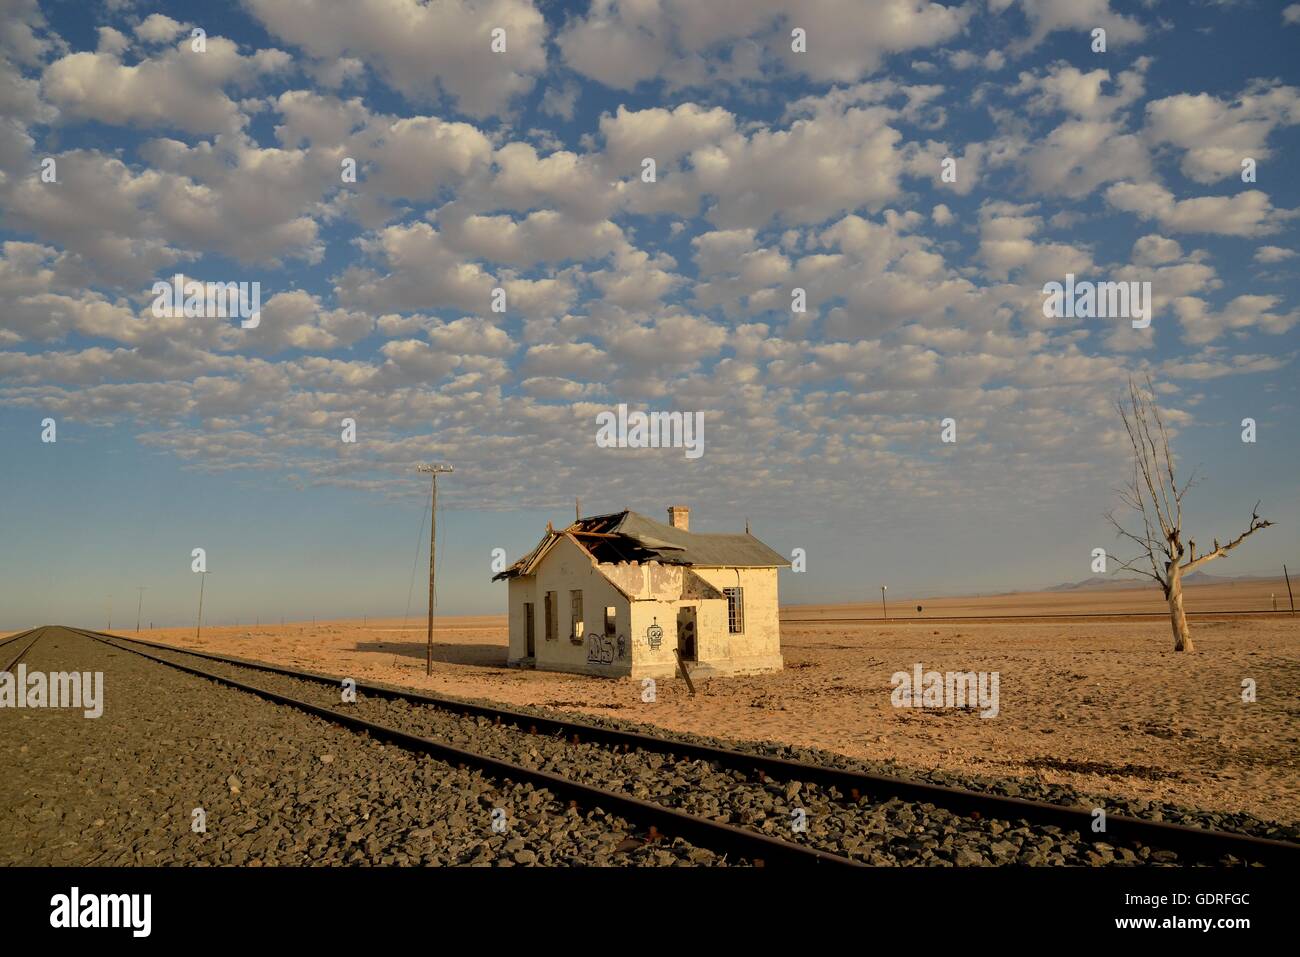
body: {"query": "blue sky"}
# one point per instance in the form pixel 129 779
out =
pixel 521 170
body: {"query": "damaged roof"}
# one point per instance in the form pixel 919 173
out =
pixel 629 536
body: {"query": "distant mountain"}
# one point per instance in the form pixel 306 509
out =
pixel 1100 583
pixel 1097 583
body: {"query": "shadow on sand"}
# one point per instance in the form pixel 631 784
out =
pixel 475 655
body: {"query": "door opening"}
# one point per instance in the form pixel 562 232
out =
pixel 686 632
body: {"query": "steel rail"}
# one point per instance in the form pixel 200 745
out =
pixel 1087 615
pixel 18 635
pixel 36 634
pixel 1196 842
pixel 753 846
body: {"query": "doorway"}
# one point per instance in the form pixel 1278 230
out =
pixel 686 632
pixel 530 639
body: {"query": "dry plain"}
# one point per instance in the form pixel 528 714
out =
pixel 1100 703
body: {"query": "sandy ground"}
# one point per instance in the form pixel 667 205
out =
pixel 1103 704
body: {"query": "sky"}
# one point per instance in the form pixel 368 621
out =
pixel 502 145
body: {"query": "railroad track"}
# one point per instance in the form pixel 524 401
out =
pixel 749 845
pixel 1190 843
pixel 905 619
pixel 22 643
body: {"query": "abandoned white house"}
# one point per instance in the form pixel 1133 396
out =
pixel 622 594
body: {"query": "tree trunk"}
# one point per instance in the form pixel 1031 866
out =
pixel 1177 616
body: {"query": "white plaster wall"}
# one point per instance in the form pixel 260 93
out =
pixel 565 568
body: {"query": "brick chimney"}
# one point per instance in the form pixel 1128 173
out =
pixel 679 516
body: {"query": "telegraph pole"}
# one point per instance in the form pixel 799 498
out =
pixel 433 470
pixel 198 627
pixel 883 607
pixel 138 605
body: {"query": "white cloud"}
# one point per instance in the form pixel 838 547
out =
pixel 158 28
pixel 664 135
pixel 180 88
pixel 1153 250
pixel 1216 135
pixel 621 43
pixel 1049 16
pixel 1273 254
pixel 1202 324
pixel 1247 213
pixel 422 50
pixel 1065 87
pixel 1080 155
pixel 541 236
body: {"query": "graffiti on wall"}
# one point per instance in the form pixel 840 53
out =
pixel 655 634
pixel 601 649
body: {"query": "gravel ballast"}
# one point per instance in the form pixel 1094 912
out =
pixel 873 831
pixel 276 786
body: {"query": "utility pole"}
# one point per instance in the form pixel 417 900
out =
pixel 883 607
pixel 433 470
pixel 139 603
pixel 198 628
pixel 1288 588
pixel 109 626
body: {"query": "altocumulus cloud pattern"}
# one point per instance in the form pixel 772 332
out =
pixel 823 227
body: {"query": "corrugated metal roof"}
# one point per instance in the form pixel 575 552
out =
pixel 632 537
pixel 676 547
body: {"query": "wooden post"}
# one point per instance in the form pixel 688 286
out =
pixel 1288 589
pixel 681 663
pixel 433 539
pixel 198 626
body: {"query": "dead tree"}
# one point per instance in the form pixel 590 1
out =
pixel 1157 497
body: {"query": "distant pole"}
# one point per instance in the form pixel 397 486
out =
pixel 138 604
pixel 1288 589
pixel 198 627
pixel 883 607
pixel 109 626
pixel 433 470
pixel 577 509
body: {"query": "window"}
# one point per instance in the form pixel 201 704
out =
pixel 575 621
pixel 611 618
pixel 735 610
pixel 552 617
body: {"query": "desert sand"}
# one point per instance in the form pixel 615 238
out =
pixel 1102 704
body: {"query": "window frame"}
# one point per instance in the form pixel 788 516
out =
pixel 576 615
pixel 735 610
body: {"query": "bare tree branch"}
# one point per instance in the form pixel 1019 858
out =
pixel 1155 495
pixel 1256 523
